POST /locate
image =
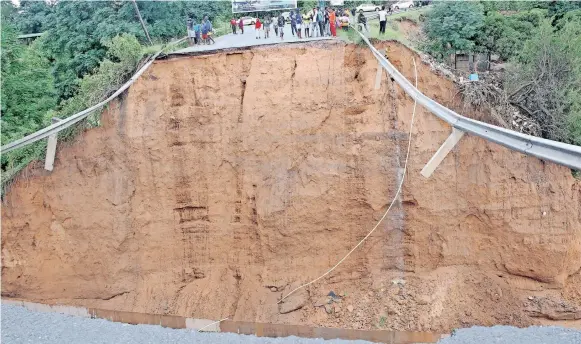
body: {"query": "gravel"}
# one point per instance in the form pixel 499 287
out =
pixel 513 335
pixel 20 325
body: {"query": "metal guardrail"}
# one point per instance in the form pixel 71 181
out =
pixel 557 152
pixel 67 122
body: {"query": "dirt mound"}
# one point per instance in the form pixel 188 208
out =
pixel 220 182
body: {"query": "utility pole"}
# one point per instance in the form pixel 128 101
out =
pixel 142 23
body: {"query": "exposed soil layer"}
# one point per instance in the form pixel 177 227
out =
pixel 220 182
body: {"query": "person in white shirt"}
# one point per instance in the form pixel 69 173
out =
pixel 382 20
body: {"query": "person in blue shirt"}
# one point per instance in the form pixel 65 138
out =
pixel 197 31
pixel 293 20
pixel 299 25
pixel 207 31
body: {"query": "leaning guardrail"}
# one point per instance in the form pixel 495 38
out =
pixel 557 152
pixel 67 122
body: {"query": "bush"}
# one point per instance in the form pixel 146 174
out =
pixel 453 26
pixel 545 81
pixel 27 92
pixel 123 55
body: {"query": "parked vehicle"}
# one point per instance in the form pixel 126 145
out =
pixel 367 8
pixel 402 5
pixel 248 20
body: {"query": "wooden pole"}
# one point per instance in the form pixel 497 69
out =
pixel 142 23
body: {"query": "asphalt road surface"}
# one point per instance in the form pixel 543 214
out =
pixel 20 325
pixel 248 39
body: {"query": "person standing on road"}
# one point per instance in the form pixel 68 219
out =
pixel 267 24
pixel 233 24
pixel 332 22
pixel 204 29
pixel 307 24
pixel 314 25
pixel 293 20
pixel 191 33
pixel 382 20
pixel 197 30
pixel 207 31
pixel 299 20
pixel 275 25
pixel 258 28
pixel 281 26
pixel 241 25
pixel 327 25
pixel 321 22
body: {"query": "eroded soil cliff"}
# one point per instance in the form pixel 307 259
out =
pixel 220 182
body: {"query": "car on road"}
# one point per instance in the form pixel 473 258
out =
pixel 367 8
pixel 248 20
pixel 402 5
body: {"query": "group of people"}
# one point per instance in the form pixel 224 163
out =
pixel 362 20
pixel 318 22
pixel 200 33
pixel 237 24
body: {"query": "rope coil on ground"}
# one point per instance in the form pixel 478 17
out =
pixel 387 211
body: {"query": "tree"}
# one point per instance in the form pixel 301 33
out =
pixel 453 26
pixel 33 16
pixel 545 81
pixel 505 35
pixel 27 87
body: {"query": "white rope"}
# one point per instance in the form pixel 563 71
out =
pixel 215 322
pixel 385 214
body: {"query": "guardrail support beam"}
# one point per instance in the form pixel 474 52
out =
pixel 378 76
pixel 51 148
pixel 444 149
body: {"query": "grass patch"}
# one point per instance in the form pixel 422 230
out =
pixel 413 15
pixel 393 31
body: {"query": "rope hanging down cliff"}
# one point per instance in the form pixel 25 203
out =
pixel 387 211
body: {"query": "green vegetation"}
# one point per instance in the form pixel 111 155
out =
pixel 88 50
pixel 542 42
pixel 453 26
pixel 382 321
pixel 393 30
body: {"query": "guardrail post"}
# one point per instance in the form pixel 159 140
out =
pixel 51 148
pixel 378 76
pixel 446 147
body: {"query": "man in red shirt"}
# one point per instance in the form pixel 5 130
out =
pixel 233 24
pixel 258 28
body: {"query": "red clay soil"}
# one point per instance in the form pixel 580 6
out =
pixel 221 182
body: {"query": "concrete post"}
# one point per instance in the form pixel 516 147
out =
pixel 444 149
pixel 51 148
